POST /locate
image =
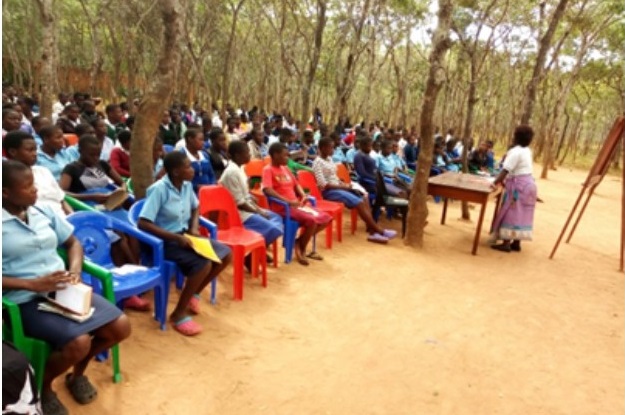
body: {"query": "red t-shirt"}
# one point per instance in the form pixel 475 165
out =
pixel 281 180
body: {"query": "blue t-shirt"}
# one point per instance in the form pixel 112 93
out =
pixel 169 208
pixel 31 252
pixel 386 164
pixel 339 156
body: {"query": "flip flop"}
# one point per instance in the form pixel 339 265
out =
pixel 80 388
pixel 314 255
pixel 194 304
pixel 137 303
pixel 187 327
pixel 377 238
pixel 389 233
pixel 51 404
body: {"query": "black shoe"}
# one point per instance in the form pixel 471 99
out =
pixel 516 246
pixel 501 247
pixel 247 262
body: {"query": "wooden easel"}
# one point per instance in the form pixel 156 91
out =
pixel 596 174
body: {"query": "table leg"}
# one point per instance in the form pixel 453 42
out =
pixel 496 212
pixel 444 211
pixel 476 241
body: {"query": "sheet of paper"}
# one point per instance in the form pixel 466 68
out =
pixel 203 247
pixel 128 269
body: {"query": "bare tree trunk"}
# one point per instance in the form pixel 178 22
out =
pixel 156 99
pixel 314 62
pixel 539 67
pixel 418 211
pixel 48 57
pixel 225 87
pixel 468 128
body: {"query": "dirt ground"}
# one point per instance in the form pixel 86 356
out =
pixel 388 330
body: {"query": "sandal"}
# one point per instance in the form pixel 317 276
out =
pixel 377 238
pixel 51 405
pixel 187 327
pixel 298 255
pixel 314 255
pixel 137 303
pixel 516 246
pixel 80 388
pixel 389 233
pixel 194 304
pixel 502 248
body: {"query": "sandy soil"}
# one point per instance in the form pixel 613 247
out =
pixel 387 330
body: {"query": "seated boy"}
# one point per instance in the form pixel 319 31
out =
pixel 254 218
pixel 170 211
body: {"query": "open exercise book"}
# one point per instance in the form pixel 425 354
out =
pixel 203 247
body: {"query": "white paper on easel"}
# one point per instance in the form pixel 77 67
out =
pixel 74 297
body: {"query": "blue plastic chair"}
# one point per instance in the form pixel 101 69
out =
pixel 168 148
pixel 290 227
pixel 90 230
pixel 170 267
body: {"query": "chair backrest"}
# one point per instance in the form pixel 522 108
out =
pixel 380 189
pixel 307 180
pixel 216 198
pixel 267 160
pixel 70 139
pixel 167 148
pixel 133 213
pixel 90 230
pixel 343 173
pixel 254 168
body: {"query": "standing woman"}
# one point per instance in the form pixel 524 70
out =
pixel 515 220
pixel 31 267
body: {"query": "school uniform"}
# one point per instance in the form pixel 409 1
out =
pixel 257 151
pixel 55 163
pixel 218 162
pixel 31 254
pixel 339 156
pixel 204 174
pixel 235 180
pixel 325 174
pixel 171 209
pixel 49 193
pixel 107 147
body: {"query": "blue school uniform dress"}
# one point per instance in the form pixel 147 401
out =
pixel 204 173
pixel 30 254
pixel 349 156
pixel 55 164
pixel 170 209
pixel 386 164
pixel 339 156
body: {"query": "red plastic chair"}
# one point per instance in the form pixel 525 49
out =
pixel 308 182
pixel 239 239
pixel 254 170
pixel 70 139
pixel 343 174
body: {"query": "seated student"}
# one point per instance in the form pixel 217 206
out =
pixel 439 161
pixel 308 145
pixel 366 169
pixel 157 158
pixel 107 144
pixel 339 155
pixel 20 146
pixel 234 179
pixel 387 165
pixel 257 146
pixel 351 196
pixel 11 121
pixel 411 152
pixel 31 267
pixel 296 151
pixel 52 154
pixel 478 161
pixel 169 212
pixel 218 152
pixel 351 153
pixel 490 155
pixel 69 119
pixel 200 160
pixel 279 182
pixel 71 152
pixel 168 130
pixel 38 123
pixel 120 156
pixel 400 164
pixel 453 159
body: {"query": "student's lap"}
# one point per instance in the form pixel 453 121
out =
pixel 188 260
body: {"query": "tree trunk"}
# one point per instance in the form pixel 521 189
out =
pixel 48 57
pixel 314 62
pixel 157 97
pixel 418 211
pixel 225 83
pixel 539 67
pixel 468 127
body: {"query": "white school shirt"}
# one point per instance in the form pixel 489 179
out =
pixel 49 193
pixel 107 146
pixel 518 161
pixel 234 179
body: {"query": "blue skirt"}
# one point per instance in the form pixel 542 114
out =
pixel 58 330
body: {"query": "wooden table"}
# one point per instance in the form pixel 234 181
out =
pixel 468 188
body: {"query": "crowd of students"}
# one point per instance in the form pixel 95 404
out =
pixel 191 150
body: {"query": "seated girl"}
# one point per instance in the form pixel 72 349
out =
pixel 385 163
pixel 171 211
pixel 332 188
pixel 453 159
pixel 52 154
pixel 107 144
pixel 199 159
pixel 31 267
pixel 257 146
pixel 120 156
pixel 278 182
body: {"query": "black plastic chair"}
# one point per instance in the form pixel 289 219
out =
pixel 383 199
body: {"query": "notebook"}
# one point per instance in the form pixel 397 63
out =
pixel 203 247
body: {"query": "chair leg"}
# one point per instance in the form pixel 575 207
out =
pixel 276 260
pixel 263 264
pixel 339 226
pixel 117 375
pixel 404 214
pixel 237 260
pixel 354 220
pixel 329 236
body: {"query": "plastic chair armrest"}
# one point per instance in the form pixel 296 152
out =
pixel 155 243
pixel 96 271
pixel 209 226
pixel 285 205
pixel 15 318
pixel 77 205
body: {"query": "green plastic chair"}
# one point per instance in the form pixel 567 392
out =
pixel 77 205
pixel 37 351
